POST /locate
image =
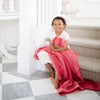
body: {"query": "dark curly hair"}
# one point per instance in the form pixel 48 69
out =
pixel 59 18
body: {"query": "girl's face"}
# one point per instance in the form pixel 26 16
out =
pixel 58 25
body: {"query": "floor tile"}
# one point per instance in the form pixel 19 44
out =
pixel 83 95
pixel 20 75
pixel 0 68
pixel 98 92
pixel 42 87
pixel 36 75
pixel 9 67
pixel 29 98
pixel 17 90
pixel 40 75
pixel 54 96
pixel 0 78
pixel 7 60
pixel 0 59
pixel 0 92
pixel 8 78
pixel 0 54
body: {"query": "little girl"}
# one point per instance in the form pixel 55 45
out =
pixel 65 73
pixel 58 24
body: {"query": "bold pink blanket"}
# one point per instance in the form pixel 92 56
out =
pixel 67 68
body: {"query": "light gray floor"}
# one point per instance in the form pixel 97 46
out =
pixel 15 86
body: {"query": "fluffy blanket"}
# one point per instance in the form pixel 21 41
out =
pixel 67 68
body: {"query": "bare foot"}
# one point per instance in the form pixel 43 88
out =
pixel 55 82
pixel 52 75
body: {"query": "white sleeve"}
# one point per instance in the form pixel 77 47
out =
pixel 66 36
pixel 50 36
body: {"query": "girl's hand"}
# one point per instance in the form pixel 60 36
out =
pixel 47 39
pixel 63 48
pixel 52 48
pixel 56 46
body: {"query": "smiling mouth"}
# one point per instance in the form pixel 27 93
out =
pixel 57 28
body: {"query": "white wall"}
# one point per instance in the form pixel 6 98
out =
pixel 87 8
pixel 9 32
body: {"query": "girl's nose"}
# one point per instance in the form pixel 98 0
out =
pixel 57 26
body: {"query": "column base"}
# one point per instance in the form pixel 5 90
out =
pixel 26 62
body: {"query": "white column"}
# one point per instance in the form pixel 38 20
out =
pixel 26 42
pixel 34 18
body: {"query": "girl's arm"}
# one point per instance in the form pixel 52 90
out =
pixel 51 46
pixel 63 48
pixel 47 39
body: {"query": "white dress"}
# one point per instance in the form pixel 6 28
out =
pixel 43 55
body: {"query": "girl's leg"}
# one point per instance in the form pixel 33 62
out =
pixel 51 69
pixel 55 81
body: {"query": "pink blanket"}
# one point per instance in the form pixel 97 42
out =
pixel 67 68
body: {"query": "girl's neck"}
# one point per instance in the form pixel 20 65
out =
pixel 58 33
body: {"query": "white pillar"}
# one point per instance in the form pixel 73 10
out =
pixel 34 18
pixel 26 36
